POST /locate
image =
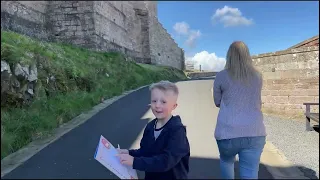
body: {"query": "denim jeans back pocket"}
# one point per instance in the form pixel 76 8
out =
pixel 225 147
pixel 257 142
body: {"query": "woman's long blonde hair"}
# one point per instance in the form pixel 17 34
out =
pixel 239 63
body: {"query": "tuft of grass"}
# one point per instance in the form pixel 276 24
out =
pixel 81 76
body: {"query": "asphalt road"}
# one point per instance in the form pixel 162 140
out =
pixel 122 123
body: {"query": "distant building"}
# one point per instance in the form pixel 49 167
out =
pixel 190 65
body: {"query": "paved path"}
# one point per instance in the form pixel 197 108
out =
pixel 71 156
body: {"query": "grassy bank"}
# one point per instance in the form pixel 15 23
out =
pixel 81 78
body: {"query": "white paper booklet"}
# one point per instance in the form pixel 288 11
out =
pixel 106 155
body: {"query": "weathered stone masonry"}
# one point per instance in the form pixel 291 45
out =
pixel 291 78
pixel 25 17
pixel 129 27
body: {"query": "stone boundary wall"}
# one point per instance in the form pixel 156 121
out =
pixel 291 78
pixel 195 75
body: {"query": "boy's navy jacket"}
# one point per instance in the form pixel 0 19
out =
pixel 167 157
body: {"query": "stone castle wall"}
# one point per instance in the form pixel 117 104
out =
pixel 129 27
pixel 291 78
pixel 163 48
pixel 25 17
pixel 72 22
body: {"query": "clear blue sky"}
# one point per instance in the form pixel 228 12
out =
pixel 263 26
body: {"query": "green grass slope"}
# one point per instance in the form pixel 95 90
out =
pixel 82 78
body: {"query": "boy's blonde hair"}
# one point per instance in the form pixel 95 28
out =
pixel 239 63
pixel 165 86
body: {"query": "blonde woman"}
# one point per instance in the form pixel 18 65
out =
pixel 240 128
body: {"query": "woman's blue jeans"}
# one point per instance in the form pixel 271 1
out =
pixel 249 150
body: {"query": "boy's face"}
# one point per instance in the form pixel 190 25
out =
pixel 162 103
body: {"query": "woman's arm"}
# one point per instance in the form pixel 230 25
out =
pixel 217 93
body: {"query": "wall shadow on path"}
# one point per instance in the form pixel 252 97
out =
pixel 208 168
pixel 72 155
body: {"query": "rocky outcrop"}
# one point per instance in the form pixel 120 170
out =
pixel 18 83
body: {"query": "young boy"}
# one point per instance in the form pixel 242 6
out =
pixel 164 148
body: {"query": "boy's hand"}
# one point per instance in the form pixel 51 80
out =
pixel 126 159
pixel 123 151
